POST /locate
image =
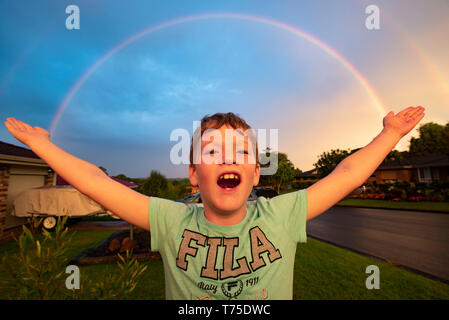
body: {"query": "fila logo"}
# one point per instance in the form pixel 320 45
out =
pixel 259 245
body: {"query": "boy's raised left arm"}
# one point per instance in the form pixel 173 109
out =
pixel 90 180
pixel 354 170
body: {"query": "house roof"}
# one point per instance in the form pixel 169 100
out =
pixel 308 174
pixel 11 154
pixel 126 183
pixel 13 150
pixel 433 160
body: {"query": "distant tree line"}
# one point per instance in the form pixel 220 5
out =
pixel 284 175
pixel 157 185
pixel 433 139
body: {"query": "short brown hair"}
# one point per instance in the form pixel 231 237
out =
pixel 218 120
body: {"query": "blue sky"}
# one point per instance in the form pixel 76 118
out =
pixel 122 115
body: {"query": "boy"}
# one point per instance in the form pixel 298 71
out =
pixel 228 249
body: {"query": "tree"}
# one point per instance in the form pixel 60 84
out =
pixel 123 177
pixel 284 175
pixel 433 139
pixel 155 185
pixel 394 155
pixel 327 161
pixel 104 169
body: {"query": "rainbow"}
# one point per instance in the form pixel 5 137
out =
pixel 298 32
pixel 422 56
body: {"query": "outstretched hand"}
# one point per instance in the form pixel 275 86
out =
pixel 404 121
pixel 24 132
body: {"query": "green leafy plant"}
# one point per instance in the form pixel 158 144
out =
pixel 37 271
pixel 116 285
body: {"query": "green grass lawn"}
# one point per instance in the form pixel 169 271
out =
pixel 419 205
pixel 322 271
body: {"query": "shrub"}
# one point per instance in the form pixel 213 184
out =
pixel 37 271
pixel 408 191
pixel 114 285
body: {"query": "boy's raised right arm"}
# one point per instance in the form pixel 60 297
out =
pixel 355 169
pixel 128 204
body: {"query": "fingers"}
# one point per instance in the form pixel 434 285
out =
pixel 26 125
pixel 405 111
pixel 416 113
pixel 17 124
pixel 418 116
pixel 8 126
pixel 11 124
pixel 12 127
pixel 411 113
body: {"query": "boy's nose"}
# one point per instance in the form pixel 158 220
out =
pixel 228 157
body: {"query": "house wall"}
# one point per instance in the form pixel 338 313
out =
pixel 21 179
pixel 13 180
pixel 404 175
pixel 409 175
pixel 4 182
pixel 415 175
pixel 444 173
pixel 440 174
pixel 50 178
pixel 395 175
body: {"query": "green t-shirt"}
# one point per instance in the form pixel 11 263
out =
pixel 250 260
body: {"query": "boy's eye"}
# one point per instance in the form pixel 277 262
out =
pixel 242 152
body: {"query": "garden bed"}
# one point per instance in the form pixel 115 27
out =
pixel 118 243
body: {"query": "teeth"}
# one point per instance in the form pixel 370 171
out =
pixel 229 176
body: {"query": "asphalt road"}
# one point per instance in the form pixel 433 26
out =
pixel 418 240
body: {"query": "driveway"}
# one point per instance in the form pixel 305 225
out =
pixel 418 240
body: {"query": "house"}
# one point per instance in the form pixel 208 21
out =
pixel 307 176
pixel 20 169
pixel 129 184
pixel 194 189
pixel 427 169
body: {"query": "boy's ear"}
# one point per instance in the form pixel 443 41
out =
pixel 256 175
pixel 192 175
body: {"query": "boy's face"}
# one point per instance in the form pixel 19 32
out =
pixel 225 178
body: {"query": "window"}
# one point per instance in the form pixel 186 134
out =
pixel 425 175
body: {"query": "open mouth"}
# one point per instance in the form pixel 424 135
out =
pixel 228 180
